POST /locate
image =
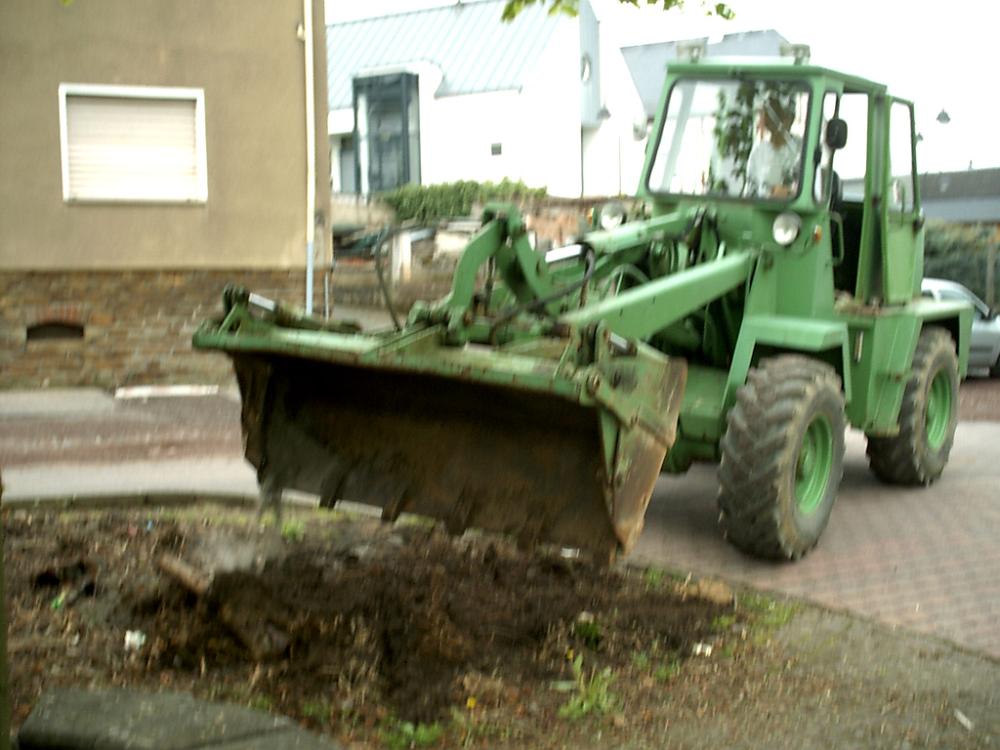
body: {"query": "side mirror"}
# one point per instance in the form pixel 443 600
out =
pixel 836 133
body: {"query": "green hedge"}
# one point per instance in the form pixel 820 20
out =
pixel 960 252
pixel 427 204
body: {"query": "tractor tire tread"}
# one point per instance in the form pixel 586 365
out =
pixel 904 458
pixel 757 454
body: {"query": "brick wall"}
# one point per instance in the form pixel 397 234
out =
pixel 137 325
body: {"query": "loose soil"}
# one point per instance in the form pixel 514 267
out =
pixel 400 636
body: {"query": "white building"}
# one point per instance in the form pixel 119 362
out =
pixel 454 93
pixel 647 63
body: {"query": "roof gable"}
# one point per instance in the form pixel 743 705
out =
pixel 648 62
pixel 475 50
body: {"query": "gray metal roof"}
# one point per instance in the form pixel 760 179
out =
pixel 648 62
pixel 963 210
pixel 972 183
pixel 964 197
pixel 476 51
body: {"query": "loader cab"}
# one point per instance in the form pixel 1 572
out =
pixel 866 180
pixel 841 156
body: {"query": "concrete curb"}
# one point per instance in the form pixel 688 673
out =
pixel 146 499
pixel 120 719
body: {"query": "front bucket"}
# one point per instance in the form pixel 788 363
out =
pixel 540 467
pixel 553 439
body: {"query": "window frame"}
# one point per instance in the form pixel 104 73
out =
pixel 708 78
pixel 162 93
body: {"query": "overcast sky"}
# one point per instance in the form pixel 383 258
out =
pixel 941 55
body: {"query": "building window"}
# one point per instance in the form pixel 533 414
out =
pixel 348 165
pixel 387 132
pixel 133 143
pixel 54 330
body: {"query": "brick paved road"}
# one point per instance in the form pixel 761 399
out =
pixel 927 559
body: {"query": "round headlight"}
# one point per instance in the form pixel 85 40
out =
pixel 612 215
pixel 786 228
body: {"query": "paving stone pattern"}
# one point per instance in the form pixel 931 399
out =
pixel 927 559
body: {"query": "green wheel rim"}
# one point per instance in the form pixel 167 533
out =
pixel 939 406
pixel 812 469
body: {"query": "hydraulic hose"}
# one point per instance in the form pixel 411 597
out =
pixel 383 236
pixel 541 302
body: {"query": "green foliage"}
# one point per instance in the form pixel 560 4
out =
pixel 589 632
pixel 667 671
pixel 571 7
pixel 402 735
pixel 653 578
pixel 768 614
pixel 733 132
pixel 514 7
pixel 472 727
pixel 430 203
pixel 317 710
pixel 261 703
pixel 722 623
pixel 293 530
pixel 593 694
pixel 959 252
pixel 640 660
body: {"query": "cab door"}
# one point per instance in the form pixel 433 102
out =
pixel 902 222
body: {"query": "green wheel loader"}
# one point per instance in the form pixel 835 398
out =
pixel 768 296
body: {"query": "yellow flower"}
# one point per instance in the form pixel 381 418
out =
pixel 569 654
pixel 470 702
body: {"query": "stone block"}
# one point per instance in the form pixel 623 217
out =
pixel 74 719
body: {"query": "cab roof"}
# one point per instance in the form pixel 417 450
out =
pixel 785 67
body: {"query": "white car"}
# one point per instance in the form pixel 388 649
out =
pixel 984 346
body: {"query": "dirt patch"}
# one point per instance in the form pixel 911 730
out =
pixel 400 636
pixel 370 622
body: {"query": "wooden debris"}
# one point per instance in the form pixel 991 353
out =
pixel 187 575
pixel 243 609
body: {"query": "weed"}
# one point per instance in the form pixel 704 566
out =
pixel 402 735
pixel 640 660
pixel 261 703
pixel 589 632
pixel 653 578
pixel 593 695
pixel 768 613
pixel 293 530
pixel 317 710
pixel 472 726
pixel 723 623
pixel 667 671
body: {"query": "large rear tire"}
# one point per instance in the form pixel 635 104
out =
pixel 927 418
pixel 782 457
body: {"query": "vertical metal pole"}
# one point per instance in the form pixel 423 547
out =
pixel 4 682
pixel 307 21
pixel 991 266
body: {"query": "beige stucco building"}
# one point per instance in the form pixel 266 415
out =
pixel 149 152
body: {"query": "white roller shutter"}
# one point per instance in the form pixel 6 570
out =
pixel 133 143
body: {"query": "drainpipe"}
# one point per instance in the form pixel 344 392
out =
pixel 4 682
pixel 307 12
